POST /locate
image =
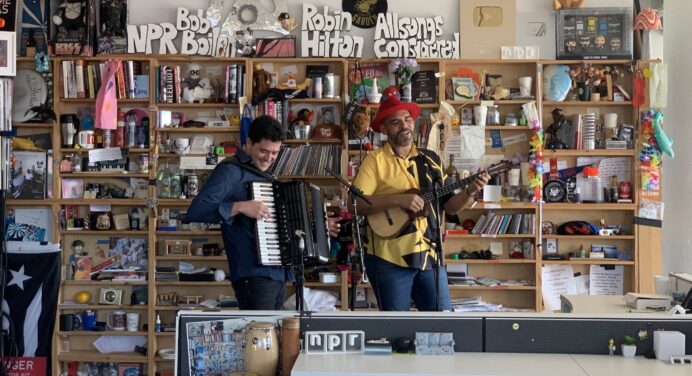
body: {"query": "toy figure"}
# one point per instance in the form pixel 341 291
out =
pixel 584 42
pixel 287 23
pixel 553 130
pixel 71 17
pixel 615 44
pixel 112 14
pixel 599 41
pixel 571 45
pixel 198 89
pixel 261 81
pixel 246 42
pixel 611 347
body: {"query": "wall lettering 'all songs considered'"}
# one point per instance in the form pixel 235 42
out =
pixel 412 37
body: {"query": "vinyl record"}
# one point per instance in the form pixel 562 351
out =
pixel 30 89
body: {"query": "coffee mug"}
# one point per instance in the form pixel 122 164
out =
pixel 70 322
pixel 116 320
pixel 86 139
pixel 181 146
pixel 89 320
pixel 132 322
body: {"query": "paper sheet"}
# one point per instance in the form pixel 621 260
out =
pixel 472 142
pixel 107 154
pixel 606 280
pixel 115 344
pixel 607 167
pixel 582 283
pixel 557 280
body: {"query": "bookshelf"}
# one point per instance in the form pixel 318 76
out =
pixel 502 268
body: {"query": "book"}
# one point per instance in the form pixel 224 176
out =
pixel 28 175
pixel 82 268
pixel 424 87
pixel 142 86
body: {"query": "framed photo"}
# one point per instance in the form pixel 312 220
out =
pixel 594 33
pixel 8 54
pixel 276 47
pixel 178 247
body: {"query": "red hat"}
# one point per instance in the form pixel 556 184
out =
pixel 391 105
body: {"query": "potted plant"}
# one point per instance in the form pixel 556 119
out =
pixel 403 70
pixel 629 346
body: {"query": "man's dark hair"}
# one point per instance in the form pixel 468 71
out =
pixel 265 127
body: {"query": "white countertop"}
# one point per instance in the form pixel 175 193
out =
pixel 483 364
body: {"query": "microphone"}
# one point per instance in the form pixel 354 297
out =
pixel 301 241
pixel 351 188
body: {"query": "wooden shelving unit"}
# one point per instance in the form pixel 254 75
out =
pixel 518 296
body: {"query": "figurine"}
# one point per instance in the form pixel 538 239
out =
pixel 286 22
pixel 553 129
pixel 113 13
pixel 246 42
pixel 584 42
pixel 571 45
pixel 611 347
pixel 615 44
pixel 261 81
pixel 599 41
pixel 198 89
pixel 70 16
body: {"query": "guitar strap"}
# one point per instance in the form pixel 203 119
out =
pixel 424 169
pixel 236 162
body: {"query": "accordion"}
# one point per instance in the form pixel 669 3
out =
pixel 295 231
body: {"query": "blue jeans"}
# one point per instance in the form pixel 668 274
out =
pixel 395 286
pixel 259 293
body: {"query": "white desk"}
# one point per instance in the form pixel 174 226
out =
pixel 482 364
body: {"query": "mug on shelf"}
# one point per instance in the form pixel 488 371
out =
pixel 116 320
pixel 132 322
pixel 70 322
pixel 86 139
pixel 89 320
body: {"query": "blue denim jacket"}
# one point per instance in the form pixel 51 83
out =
pixel 227 185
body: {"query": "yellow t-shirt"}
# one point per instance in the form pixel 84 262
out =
pixel 382 172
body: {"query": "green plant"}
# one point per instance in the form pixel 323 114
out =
pixel 629 341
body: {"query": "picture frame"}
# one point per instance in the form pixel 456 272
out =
pixel 594 33
pixel 8 53
pixel 275 47
pixel 178 247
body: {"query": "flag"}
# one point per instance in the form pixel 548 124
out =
pixel 32 282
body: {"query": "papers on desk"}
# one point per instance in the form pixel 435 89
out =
pixel 475 304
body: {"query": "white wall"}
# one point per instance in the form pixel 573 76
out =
pixel 677 189
pixel 677 177
pixel 155 11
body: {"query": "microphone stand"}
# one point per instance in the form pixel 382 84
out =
pixel 436 232
pixel 300 272
pixel 358 258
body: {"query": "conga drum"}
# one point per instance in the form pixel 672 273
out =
pixel 261 349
